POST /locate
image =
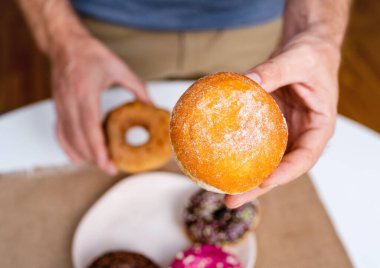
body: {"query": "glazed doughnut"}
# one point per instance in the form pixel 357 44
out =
pixel 154 153
pixel 227 133
pixel 123 259
pixel 205 256
pixel 208 220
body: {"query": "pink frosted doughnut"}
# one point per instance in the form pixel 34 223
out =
pixel 205 256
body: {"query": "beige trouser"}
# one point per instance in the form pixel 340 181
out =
pixel 180 55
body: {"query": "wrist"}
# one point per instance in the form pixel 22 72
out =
pixel 324 20
pixel 62 27
pixel 67 42
pixel 315 35
pixel 317 41
pixel 327 34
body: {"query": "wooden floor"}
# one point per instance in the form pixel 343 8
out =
pixel 24 73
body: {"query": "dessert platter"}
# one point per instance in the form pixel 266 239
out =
pixel 146 214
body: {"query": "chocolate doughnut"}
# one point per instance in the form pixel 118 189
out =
pixel 151 155
pixel 123 259
pixel 208 220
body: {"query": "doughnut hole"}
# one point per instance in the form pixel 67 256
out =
pixel 137 136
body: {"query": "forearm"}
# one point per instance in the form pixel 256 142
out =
pixel 52 22
pixel 325 19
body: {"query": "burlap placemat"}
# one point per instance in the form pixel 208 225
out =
pixel 39 212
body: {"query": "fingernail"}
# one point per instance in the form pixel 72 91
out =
pixel 101 160
pixel 145 98
pixel 268 185
pixel 255 77
pixel 112 170
pixel 234 205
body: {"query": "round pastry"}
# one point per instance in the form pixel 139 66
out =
pixel 154 153
pixel 209 221
pixel 227 133
pixel 205 256
pixel 123 259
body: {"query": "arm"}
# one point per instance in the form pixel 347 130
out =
pixel 302 75
pixel 52 23
pixel 82 67
pixel 322 19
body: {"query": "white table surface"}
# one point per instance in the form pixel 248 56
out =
pixel 347 175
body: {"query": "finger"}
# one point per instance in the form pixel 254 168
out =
pixel 71 153
pixel 303 155
pixel 91 126
pixel 111 168
pixel 278 71
pixel 234 201
pixel 68 113
pixel 128 79
pixel 255 77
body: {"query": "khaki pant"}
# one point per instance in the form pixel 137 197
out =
pixel 180 55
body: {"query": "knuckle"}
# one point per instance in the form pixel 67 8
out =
pixel 269 69
pixel 310 157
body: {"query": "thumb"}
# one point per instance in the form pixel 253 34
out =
pixel 277 72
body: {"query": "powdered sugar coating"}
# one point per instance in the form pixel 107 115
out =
pixel 251 123
pixel 227 133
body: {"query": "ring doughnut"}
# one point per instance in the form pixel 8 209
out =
pixel 209 221
pixel 151 155
pixel 227 133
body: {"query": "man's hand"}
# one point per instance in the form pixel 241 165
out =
pixel 82 68
pixel 302 77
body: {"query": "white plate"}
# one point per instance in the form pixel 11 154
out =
pixel 143 213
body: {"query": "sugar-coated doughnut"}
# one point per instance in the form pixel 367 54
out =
pixel 123 259
pixel 154 153
pixel 228 134
pixel 205 256
pixel 209 221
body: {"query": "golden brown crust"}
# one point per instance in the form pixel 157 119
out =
pixel 227 132
pixel 151 155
